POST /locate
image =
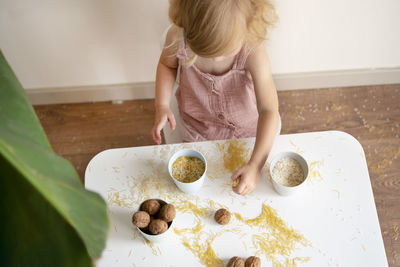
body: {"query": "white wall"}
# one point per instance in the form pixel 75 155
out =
pixel 325 35
pixel 51 43
pixel 57 43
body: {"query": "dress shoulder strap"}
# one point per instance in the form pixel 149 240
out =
pixel 181 51
pixel 241 57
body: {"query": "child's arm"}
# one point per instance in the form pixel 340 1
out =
pixel 267 104
pixel 165 80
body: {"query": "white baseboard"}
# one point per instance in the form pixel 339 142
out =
pixel 343 78
pixel 81 94
pixel 293 81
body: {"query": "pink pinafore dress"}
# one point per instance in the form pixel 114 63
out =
pixel 216 107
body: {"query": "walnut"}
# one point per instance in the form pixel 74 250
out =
pixel 141 219
pixel 151 206
pixel 158 226
pixel 253 261
pixel 167 213
pixel 235 262
pixel 222 216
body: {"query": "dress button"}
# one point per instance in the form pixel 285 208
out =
pixel 230 126
pixel 220 116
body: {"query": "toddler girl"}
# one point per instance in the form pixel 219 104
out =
pixel 225 84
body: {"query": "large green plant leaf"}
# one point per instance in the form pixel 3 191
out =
pixel 32 232
pixel 48 211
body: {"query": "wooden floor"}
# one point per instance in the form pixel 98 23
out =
pixel 371 114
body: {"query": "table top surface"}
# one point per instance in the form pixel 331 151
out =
pixel 333 222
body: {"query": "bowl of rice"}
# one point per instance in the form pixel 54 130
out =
pixel 187 168
pixel 289 171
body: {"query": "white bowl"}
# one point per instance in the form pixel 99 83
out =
pixel 160 237
pixel 195 186
pixel 283 189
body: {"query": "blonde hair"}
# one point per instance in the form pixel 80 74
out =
pixel 216 27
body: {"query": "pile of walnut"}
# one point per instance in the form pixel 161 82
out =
pixel 223 216
pixel 153 217
pixel 252 261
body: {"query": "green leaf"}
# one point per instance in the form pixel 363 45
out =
pixel 48 210
pixel 32 231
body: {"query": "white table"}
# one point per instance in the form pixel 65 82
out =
pixel 335 217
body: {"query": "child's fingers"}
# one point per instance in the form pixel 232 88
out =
pixel 237 181
pixel 236 174
pixel 156 131
pixel 159 126
pixel 246 191
pixel 172 122
pixel 156 136
pixel 157 139
pixel 240 188
pixel 242 191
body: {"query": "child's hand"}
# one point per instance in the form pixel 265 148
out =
pixel 163 115
pixel 248 176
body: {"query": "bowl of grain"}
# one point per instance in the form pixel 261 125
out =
pixel 289 171
pixel 187 168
